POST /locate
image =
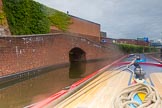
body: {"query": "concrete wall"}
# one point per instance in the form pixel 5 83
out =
pixel 28 52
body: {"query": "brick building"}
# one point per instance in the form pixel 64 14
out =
pixel 83 27
pixel 108 41
pixel 132 41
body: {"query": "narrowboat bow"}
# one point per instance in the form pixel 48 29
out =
pixel 114 86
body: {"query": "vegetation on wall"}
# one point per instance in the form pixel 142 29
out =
pixel 57 18
pixel 25 17
pixel 30 17
pixel 2 17
pixel 128 48
pixel 60 20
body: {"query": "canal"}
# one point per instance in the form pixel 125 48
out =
pixel 34 89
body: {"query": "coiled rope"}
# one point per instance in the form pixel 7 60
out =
pixel 125 98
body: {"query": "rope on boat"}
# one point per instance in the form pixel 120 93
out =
pixel 125 98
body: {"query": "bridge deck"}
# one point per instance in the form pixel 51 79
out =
pixel 99 93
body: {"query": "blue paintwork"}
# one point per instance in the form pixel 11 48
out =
pixel 141 60
pixel 137 99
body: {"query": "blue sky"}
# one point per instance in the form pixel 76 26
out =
pixel 119 18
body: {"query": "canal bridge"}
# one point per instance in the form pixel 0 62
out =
pixel 31 52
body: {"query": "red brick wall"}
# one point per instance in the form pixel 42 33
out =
pixel 22 53
pixel 83 27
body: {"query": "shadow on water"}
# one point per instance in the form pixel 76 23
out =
pixel 77 58
pixel 77 69
pixel 26 75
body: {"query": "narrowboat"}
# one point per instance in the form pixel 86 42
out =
pixel 122 84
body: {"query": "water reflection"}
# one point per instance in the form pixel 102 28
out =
pixel 77 69
pixel 37 88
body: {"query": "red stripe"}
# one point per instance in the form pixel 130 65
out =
pixel 158 60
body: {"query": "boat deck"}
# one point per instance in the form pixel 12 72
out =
pixel 99 93
pixel 157 80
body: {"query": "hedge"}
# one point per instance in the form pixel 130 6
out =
pixel 128 48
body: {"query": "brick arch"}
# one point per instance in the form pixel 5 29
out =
pixel 77 54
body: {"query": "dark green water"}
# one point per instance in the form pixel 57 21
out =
pixel 40 87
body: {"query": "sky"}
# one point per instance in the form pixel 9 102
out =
pixel 119 18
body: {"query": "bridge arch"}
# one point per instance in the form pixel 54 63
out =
pixel 77 54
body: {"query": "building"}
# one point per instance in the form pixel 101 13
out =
pixel 132 41
pixel 83 27
pixel 103 34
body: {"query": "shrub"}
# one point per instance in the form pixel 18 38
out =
pixel 60 20
pixel 127 48
pixel 26 17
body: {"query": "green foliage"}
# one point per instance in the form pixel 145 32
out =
pixel 2 17
pixel 60 20
pixel 127 48
pixel 49 11
pixel 26 17
pixel 57 18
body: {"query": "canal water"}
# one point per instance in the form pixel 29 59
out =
pixel 35 89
